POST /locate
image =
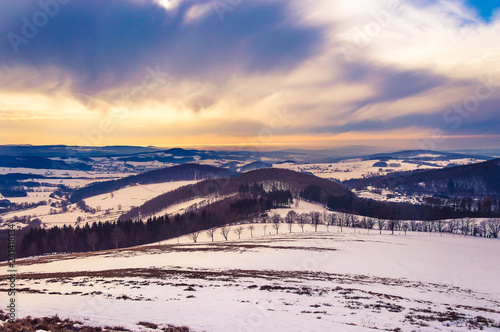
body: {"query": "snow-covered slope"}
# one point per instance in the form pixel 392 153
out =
pixel 324 281
pixel 106 206
pixel 359 168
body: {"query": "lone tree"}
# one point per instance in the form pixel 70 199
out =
pixel 211 233
pixel 276 219
pixel 381 224
pixel 290 219
pixel 251 228
pixel 194 236
pixel 225 231
pixel 238 231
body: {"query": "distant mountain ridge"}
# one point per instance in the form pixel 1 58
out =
pixel 180 155
pixel 66 151
pixel 41 163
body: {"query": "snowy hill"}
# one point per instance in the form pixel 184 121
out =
pixel 324 281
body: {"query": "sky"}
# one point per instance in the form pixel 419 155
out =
pixel 278 74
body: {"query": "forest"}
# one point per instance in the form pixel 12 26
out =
pixel 109 235
pixel 474 180
pixel 244 198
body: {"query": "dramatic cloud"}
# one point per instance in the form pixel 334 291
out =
pixel 166 72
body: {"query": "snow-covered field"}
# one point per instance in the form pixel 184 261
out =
pixel 108 206
pixel 358 168
pixel 324 281
pixel 61 173
pixel 134 195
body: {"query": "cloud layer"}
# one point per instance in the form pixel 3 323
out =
pixel 220 72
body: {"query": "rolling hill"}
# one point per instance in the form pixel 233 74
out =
pixel 481 179
pixel 269 178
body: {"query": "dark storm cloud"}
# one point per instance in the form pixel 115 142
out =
pixel 390 83
pixel 102 44
pixel 451 121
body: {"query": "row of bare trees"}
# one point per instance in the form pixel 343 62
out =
pixel 464 226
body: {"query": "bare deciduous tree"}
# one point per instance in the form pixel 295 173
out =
pixel 194 236
pixel 405 227
pixel 369 223
pixel 381 224
pixel 453 226
pixel 251 228
pixel 466 224
pixel 342 219
pixel 332 219
pixel 483 228
pixel 354 220
pixel 430 225
pixel 276 219
pixel 290 219
pixel 315 219
pixel 440 226
pixel 238 231
pixel 391 225
pixel 211 233
pixel 225 231
pixel 302 220
pixel 494 227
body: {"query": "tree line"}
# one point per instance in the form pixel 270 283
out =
pixel 127 233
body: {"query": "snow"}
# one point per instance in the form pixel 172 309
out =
pixel 301 207
pixel 108 207
pixel 134 195
pixel 40 194
pixel 358 168
pixel 74 183
pixel 179 207
pixel 311 281
pixel 387 195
